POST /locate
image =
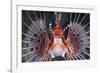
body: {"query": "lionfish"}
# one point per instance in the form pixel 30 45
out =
pixel 54 36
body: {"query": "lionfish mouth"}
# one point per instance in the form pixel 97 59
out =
pixel 58 52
